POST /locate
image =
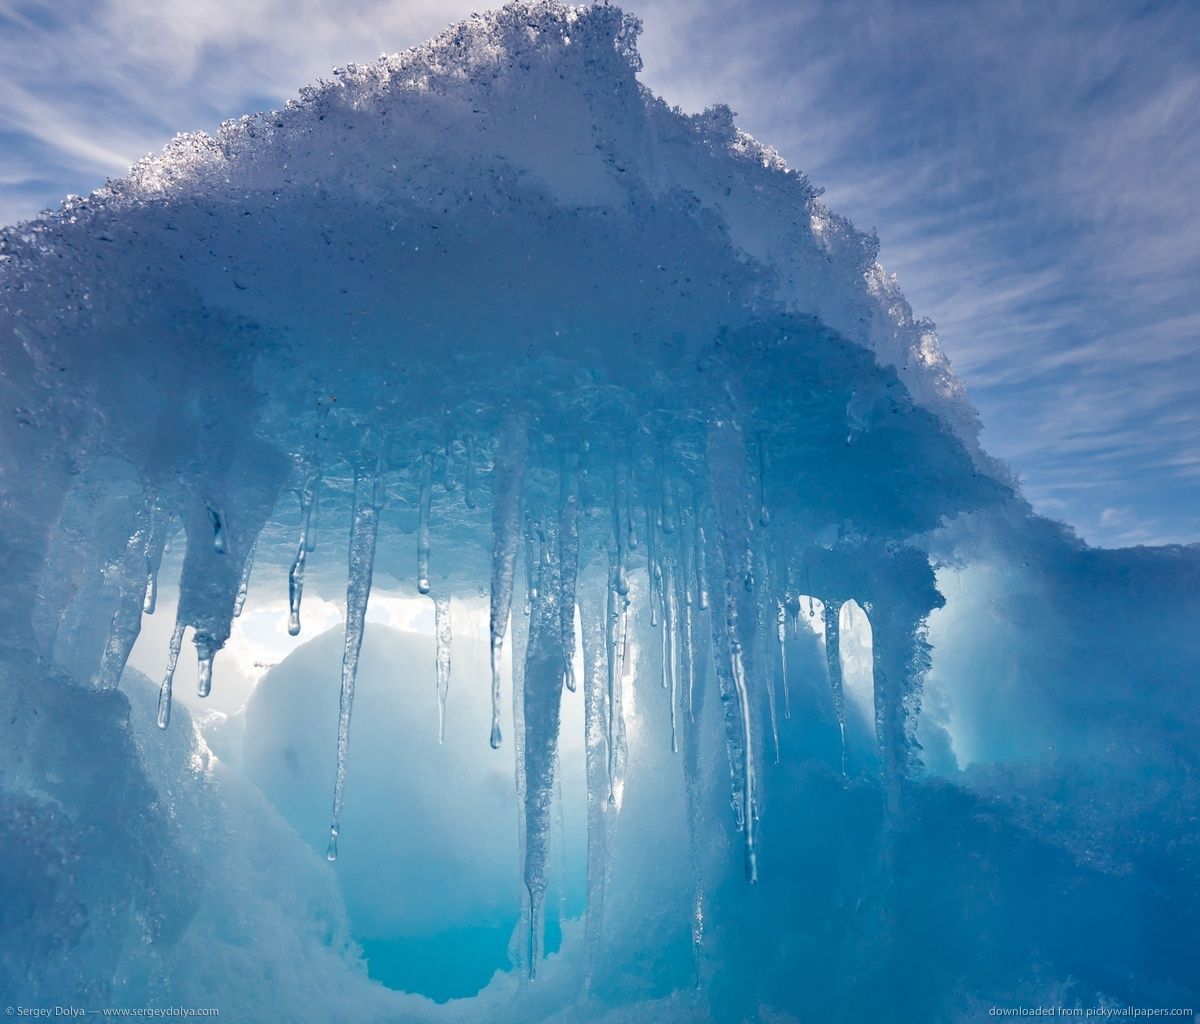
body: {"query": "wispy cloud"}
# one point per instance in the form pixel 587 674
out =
pixel 1031 171
pixel 1030 168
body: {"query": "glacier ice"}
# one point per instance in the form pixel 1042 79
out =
pixel 636 396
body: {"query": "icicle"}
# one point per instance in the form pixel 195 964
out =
pixel 426 498
pixel 743 699
pixel 206 649
pixel 630 492
pixel 518 946
pixel 364 529
pixel 568 558
pixel 164 692
pixel 469 474
pixel 559 832
pixel 127 616
pixel 622 527
pixel 652 569
pixel 239 601
pixel 781 635
pixel 442 629
pixel 774 717
pixel 506 526
pixel 701 563
pixel 655 506
pixel 617 624
pixel 310 498
pixel 689 659
pixel 542 698
pixel 150 594
pixel 763 659
pixel 308 501
pixel 612 639
pixel 833 659
pixel 595 629
pixel 683 582
pixel 156 538
pixel 693 776
pixel 764 515
pixel 670 650
pixel 665 653
pixel 727 473
pixel 220 541
pixel 310 536
pixel 533 556
pixel 618 612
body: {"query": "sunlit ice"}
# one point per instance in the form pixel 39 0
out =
pixel 485 545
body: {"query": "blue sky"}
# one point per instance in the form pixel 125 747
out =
pixel 1031 168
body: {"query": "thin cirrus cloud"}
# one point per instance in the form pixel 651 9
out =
pixel 1030 169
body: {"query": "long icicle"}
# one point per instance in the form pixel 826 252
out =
pixel 542 698
pixel 164 692
pixel 701 552
pixel 685 584
pixel 616 625
pixel 781 636
pixel 671 648
pixel 737 669
pixel 518 946
pixel 727 474
pixel 593 615
pixel 621 527
pixel 763 658
pixel 764 514
pixel 559 832
pixel 127 616
pixel 424 502
pixel 568 559
pixel 469 473
pixel 506 536
pixel 442 630
pixel 308 501
pixel 364 530
pixel 530 533
pixel 833 660
pixel 693 778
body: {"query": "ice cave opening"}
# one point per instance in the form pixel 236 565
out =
pixel 481 544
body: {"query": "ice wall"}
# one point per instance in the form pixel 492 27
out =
pixel 490 319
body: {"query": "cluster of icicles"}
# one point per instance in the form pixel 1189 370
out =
pixel 688 572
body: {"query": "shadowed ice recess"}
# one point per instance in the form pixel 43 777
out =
pixel 602 606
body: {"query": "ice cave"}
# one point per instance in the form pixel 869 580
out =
pixel 482 545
